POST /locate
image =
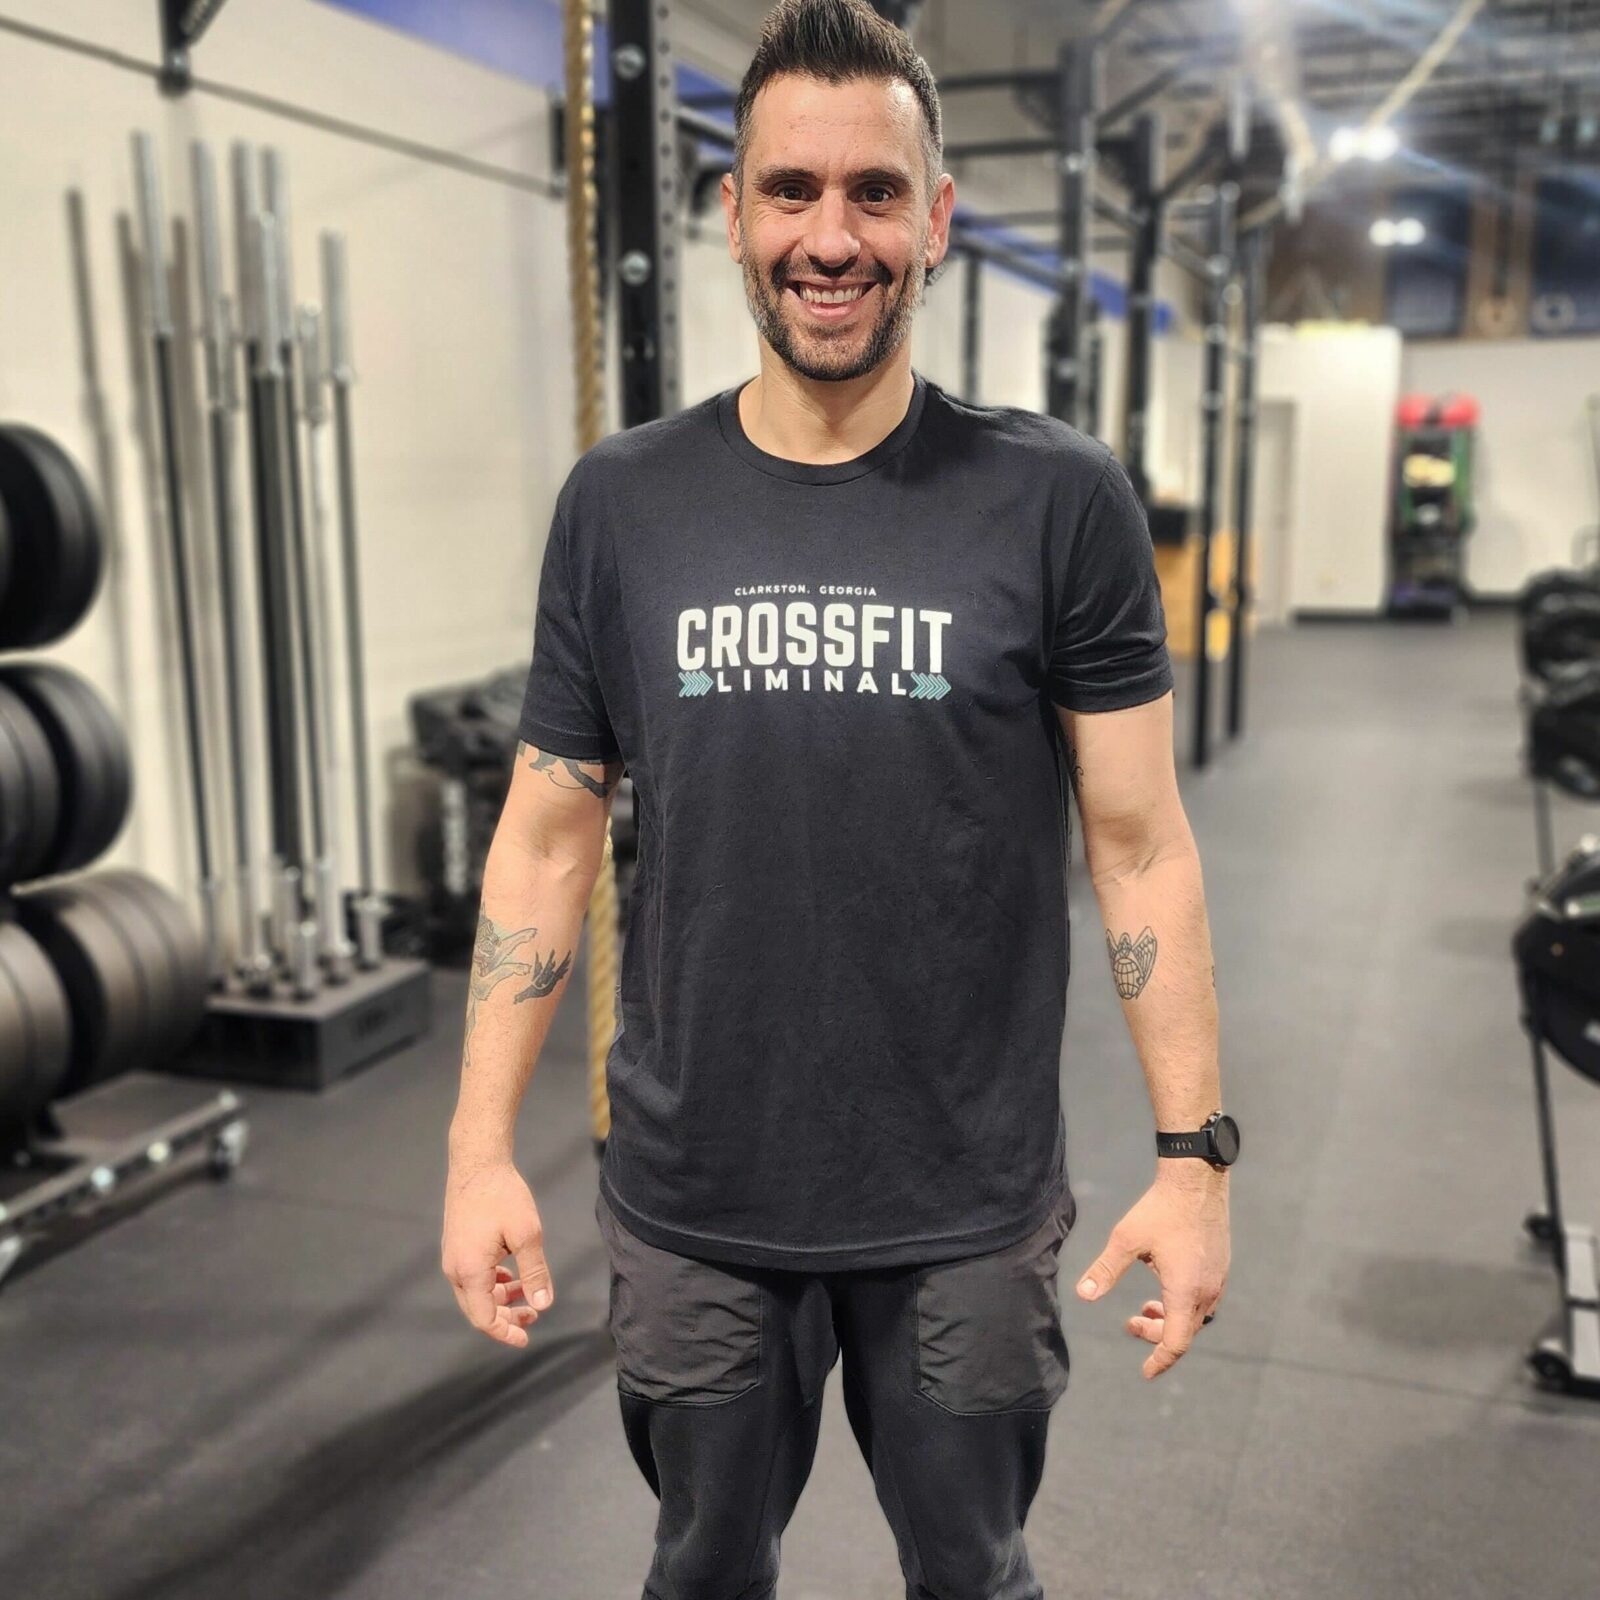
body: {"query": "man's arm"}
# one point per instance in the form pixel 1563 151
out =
pixel 537 880
pixel 1146 874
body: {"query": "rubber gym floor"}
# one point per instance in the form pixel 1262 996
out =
pixel 264 1389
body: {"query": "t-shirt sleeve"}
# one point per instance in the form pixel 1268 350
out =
pixel 1109 648
pixel 563 710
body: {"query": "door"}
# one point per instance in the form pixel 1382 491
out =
pixel 1272 507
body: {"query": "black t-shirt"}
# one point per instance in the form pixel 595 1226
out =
pixel 844 978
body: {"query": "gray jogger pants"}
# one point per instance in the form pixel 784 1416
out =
pixel 949 1371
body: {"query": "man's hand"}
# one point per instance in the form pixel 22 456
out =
pixel 489 1213
pixel 1179 1229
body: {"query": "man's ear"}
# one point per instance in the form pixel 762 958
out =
pixel 939 215
pixel 730 212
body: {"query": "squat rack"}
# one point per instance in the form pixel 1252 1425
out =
pixel 650 126
pixel 1228 267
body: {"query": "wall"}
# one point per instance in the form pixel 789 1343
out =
pixel 1534 477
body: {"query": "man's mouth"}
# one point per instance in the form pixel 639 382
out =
pixel 831 304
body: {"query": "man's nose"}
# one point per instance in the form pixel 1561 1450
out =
pixel 829 240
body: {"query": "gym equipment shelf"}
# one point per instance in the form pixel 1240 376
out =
pixel 311 1042
pixel 98 1154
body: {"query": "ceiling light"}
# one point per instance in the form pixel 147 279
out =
pixel 1371 144
pixel 1386 232
pixel 1378 144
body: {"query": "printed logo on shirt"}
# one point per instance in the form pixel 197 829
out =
pixel 837 646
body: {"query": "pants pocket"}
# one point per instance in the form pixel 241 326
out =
pixel 687 1332
pixel 989 1334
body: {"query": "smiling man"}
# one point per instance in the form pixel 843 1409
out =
pixel 853 639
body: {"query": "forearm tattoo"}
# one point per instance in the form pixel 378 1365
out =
pixel 1131 963
pixel 565 772
pixel 498 955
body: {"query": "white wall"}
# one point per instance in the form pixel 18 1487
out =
pixel 1342 382
pixel 1534 474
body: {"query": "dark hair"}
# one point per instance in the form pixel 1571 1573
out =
pixel 837 41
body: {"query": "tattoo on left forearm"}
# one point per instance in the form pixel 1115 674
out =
pixel 1131 962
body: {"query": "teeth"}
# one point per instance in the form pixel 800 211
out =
pixel 831 297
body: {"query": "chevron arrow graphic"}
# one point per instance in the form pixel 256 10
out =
pixel 693 683
pixel 929 686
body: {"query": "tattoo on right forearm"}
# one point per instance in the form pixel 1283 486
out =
pixel 498 954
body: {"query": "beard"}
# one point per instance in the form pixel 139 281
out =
pixel 820 353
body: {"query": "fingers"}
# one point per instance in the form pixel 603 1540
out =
pixel 1148 1323
pixel 508 1290
pixel 537 1289
pixel 475 1294
pixel 1111 1263
pixel 1177 1334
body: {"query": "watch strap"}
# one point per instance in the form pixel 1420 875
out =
pixel 1201 1144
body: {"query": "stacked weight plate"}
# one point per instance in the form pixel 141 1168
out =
pixel 50 544
pixel 100 973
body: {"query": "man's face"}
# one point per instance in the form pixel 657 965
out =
pixel 835 202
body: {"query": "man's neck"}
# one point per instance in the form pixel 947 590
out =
pixel 799 419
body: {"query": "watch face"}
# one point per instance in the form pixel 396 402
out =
pixel 1226 1133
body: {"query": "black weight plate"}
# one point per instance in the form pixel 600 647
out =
pixel 82 548
pixel 16 805
pixel 34 787
pixel 16 1054
pixel 35 1031
pixel 186 949
pixel 91 758
pixel 96 967
pixel 45 594
pixel 148 953
pixel 5 551
pixel 164 976
pixel 87 555
pixel 115 782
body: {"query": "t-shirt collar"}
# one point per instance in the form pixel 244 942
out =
pixel 818 472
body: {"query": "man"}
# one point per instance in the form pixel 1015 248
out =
pixel 845 632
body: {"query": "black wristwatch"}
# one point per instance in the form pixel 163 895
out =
pixel 1217 1142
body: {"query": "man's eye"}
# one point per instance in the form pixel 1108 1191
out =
pixel 786 191
pixel 878 189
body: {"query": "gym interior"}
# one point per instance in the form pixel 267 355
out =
pixel 307 309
